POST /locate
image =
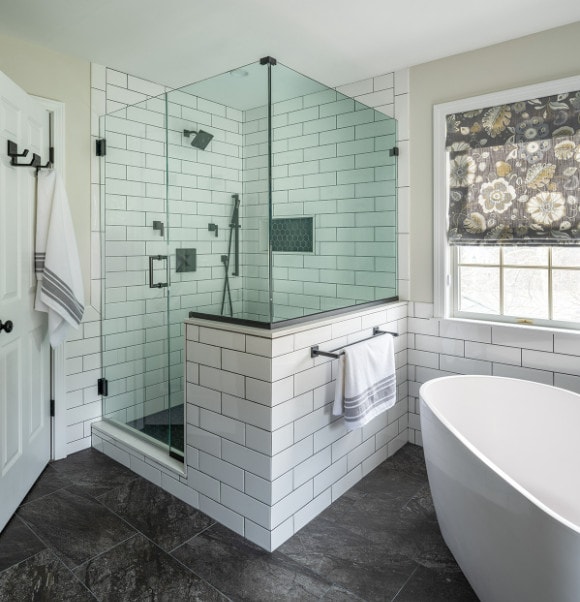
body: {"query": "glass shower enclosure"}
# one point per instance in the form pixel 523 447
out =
pixel 259 197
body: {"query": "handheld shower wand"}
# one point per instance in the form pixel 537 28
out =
pixel 235 229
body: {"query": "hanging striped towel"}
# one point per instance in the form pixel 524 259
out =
pixel 59 290
pixel 366 382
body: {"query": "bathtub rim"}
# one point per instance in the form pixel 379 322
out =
pixel 473 449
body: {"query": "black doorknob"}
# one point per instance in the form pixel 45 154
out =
pixel 7 326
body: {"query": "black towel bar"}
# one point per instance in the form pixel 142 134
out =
pixel 315 351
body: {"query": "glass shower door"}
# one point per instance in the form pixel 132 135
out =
pixel 135 269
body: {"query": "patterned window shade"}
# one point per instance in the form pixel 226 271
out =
pixel 514 173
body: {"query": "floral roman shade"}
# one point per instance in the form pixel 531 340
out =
pixel 514 173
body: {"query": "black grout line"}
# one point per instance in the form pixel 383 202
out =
pixel 138 532
pixel 171 552
pixel 190 570
pixel 52 551
pixel 31 555
pixel 302 568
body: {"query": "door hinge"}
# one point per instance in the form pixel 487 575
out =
pixel 103 387
pixel 394 152
pixel 101 147
pixel 52 408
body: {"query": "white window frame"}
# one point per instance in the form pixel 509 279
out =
pixel 443 268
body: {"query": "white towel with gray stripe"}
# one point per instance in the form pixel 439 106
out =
pixel 59 289
pixel 366 384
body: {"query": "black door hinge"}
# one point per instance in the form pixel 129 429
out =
pixel 101 147
pixel 394 152
pixel 52 408
pixel 103 387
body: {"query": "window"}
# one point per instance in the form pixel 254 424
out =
pixel 523 284
pixel 483 270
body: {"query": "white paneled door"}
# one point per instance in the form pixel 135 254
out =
pixel 24 352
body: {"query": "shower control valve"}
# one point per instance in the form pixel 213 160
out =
pixel 213 228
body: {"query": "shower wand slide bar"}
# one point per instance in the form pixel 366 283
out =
pixel 315 351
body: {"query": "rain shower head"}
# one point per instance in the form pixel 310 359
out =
pixel 200 140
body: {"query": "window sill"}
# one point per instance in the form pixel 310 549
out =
pixel 514 325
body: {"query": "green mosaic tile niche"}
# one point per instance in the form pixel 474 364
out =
pixel 293 235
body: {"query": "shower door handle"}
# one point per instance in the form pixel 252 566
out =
pixel 153 258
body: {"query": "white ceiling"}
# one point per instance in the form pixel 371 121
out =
pixel 176 42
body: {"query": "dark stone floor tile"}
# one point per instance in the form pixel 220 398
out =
pixel 340 594
pixel 48 482
pixel 42 578
pixel 437 585
pixel 166 520
pixel 410 459
pixel 376 503
pixel 243 571
pixel 388 482
pixel 17 542
pixel 139 570
pixel 74 526
pixel 373 571
pixel 409 527
pixel 420 536
pixel 93 472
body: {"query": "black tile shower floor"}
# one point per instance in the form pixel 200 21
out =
pixel 167 426
pixel 92 530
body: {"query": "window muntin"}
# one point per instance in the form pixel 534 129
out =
pixel 539 285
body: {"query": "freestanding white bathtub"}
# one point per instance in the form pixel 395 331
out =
pixel 503 460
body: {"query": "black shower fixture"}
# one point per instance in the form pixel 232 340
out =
pixel 201 138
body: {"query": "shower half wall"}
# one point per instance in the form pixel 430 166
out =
pixel 316 179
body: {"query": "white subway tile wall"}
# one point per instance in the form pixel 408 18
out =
pixel 109 90
pixel 394 89
pixel 198 192
pixel 264 468
pixel 331 161
pixel 255 440
pixel 134 197
pixel 443 347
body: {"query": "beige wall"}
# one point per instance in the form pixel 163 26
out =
pixel 552 54
pixel 49 74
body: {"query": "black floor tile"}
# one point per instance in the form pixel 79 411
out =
pixel 373 571
pixel 419 537
pixel 93 472
pixel 17 543
pixel 437 585
pixel 410 459
pixel 139 570
pixel 243 571
pixel 48 482
pixel 76 527
pixel 380 541
pixel 42 578
pixel 390 482
pixel 340 594
pixel 166 520
pixel 375 502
